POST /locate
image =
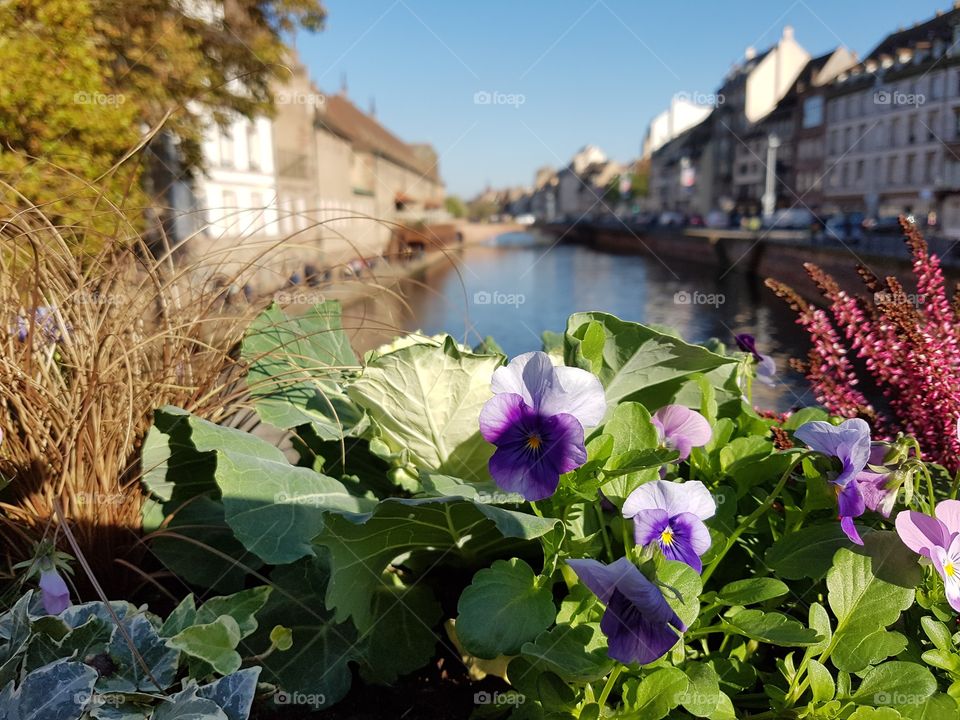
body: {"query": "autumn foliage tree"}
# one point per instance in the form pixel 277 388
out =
pixel 87 83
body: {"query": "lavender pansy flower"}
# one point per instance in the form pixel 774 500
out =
pixel 879 483
pixel 766 365
pixel 638 622
pixel 671 515
pixel 936 538
pixel 849 442
pixel 536 418
pixel 681 428
pixel 54 592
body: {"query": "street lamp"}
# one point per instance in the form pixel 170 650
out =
pixel 769 192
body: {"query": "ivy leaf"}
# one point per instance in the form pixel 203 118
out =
pixel 215 643
pixel 58 691
pixel 428 531
pixel 752 591
pixel 774 628
pixel 505 606
pixel 241 606
pixel 130 675
pixel 425 401
pixel 233 693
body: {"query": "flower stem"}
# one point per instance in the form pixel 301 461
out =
pixel 752 517
pixel 609 686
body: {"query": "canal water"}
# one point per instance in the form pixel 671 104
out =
pixel 520 284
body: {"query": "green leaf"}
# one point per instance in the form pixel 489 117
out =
pixel 636 362
pixel 295 368
pixel 633 435
pixel 58 691
pixel 855 651
pixel 425 401
pixel 938 633
pixel 681 586
pixel 281 637
pixel 404 638
pixel 428 531
pixel 774 628
pixel 130 675
pixel 90 638
pixel 183 616
pixel 820 621
pixel 703 697
pixel 215 643
pixel 241 606
pixel 233 693
pixel 806 553
pixel 655 696
pixel 934 707
pixel 575 653
pixel 318 662
pixel 504 607
pixel 751 591
pixel 821 682
pixel 895 683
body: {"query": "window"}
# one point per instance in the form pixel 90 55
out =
pixel 253 146
pixel 226 147
pixel 908 172
pixel 813 111
pixel 858 175
pixel 930 167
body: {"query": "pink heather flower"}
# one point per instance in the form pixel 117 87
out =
pixel 936 538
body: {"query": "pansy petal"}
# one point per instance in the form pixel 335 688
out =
pixel 826 438
pixel 602 579
pixel 876 495
pixel 948 512
pixel 54 592
pixel 501 413
pixel 921 533
pixel 691 496
pixel 509 378
pixel 578 393
pixel 648 525
pixel 683 428
pixel 689 530
pixel 632 636
pixel 850 502
pixel 846 524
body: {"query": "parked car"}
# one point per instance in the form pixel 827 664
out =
pixel 525 219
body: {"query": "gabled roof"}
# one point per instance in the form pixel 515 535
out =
pixel 342 117
pixel 938 27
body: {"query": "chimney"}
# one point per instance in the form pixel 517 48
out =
pixel 751 51
pixel 787 32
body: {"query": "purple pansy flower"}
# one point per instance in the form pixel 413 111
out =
pixel 536 419
pixel 54 592
pixel 880 489
pixel 937 539
pixel 850 443
pixel 766 365
pixel 638 622
pixel 671 515
pixel 681 428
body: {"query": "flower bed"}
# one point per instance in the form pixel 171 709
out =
pixel 602 527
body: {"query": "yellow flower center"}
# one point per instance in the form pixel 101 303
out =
pixel 666 537
pixel 534 441
pixel 949 570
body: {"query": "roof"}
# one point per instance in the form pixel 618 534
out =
pixel 938 27
pixel 343 118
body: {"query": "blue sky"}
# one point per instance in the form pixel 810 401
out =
pixel 587 71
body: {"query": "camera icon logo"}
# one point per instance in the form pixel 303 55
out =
pixel 681 297
pixel 482 297
pixel 482 97
pixel 882 97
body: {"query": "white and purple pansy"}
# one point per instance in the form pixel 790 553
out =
pixel 681 428
pixel 937 539
pixel 536 419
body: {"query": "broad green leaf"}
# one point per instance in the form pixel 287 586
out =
pixel 751 591
pixel 636 362
pixel 774 628
pixel 215 643
pixel 91 638
pixel 241 606
pixel 295 368
pixel 655 696
pixel 819 620
pixel 183 616
pixel 188 705
pixel 427 530
pixel 934 707
pixel 404 637
pixel 131 676
pixel 703 697
pixel 233 693
pixel 867 589
pixel 938 633
pixel 504 607
pixel 426 402
pixel 681 586
pixel 318 662
pixel 575 653
pixel 806 553
pixel 633 434
pixel 821 682
pixel 869 713
pixel 854 650
pixel 895 683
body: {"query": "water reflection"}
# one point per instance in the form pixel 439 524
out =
pixel 522 284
